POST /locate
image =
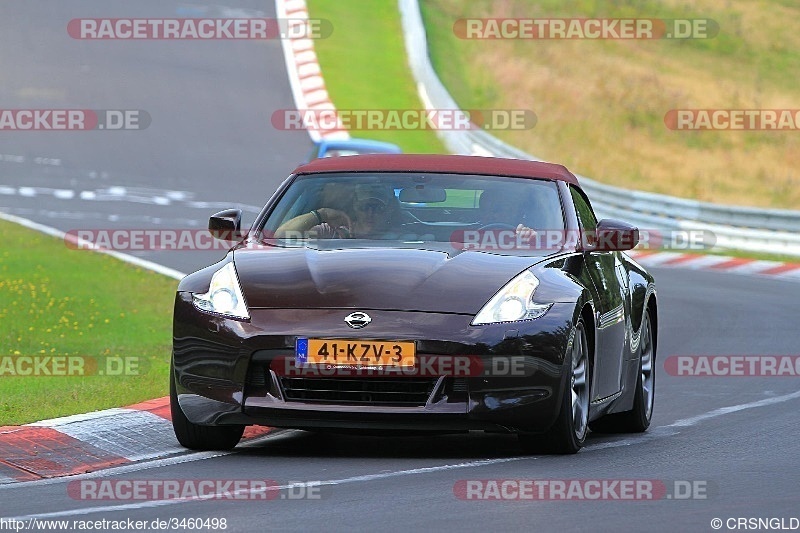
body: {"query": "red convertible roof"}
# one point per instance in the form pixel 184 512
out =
pixel 452 164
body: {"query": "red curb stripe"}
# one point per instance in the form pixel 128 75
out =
pixel 781 269
pixel 44 452
pixel 157 406
pixel 685 258
pixel 28 453
pixel 8 471
pixel 733 263
pixel 642 253
pixel 251 432
pixel 160 407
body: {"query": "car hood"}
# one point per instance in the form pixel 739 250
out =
pixel 374 277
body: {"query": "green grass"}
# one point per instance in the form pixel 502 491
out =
pixel 601 104
pixel 56 301
pixel 364 65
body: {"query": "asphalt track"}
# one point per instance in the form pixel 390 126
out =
pixel 733 437
pixel 210 144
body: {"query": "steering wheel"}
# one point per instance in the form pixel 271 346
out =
pixel 497 225
pixel 342 232
pixel 326 231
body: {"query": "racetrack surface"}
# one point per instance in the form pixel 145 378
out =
pixel 210 138
pixel 210 144
pixel 744 459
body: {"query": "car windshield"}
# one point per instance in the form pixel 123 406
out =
pixel 406 207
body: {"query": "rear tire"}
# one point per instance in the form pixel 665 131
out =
pixel 196 436
pixel 637 420
pixel 568 434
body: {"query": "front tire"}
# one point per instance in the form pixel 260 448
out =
pixel 568 434
pixel 196 436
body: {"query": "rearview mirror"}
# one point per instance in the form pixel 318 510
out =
pixel 614 235
pixel 422 194
pixel 226 225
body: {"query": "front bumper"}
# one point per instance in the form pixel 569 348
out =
pixel 224 371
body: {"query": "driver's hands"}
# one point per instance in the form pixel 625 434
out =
pixel 524 233
pixel 321 231
pixel 334 217
pixel 326 231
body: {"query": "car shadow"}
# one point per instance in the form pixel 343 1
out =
pixel 474 445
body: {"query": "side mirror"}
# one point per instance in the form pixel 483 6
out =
pixel 614 235
pixel 226 225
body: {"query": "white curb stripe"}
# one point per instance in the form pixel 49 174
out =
pixel 134 435
pixel 701 262
pixel 755 267
pixel 655 259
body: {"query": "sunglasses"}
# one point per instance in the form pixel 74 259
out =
pixel 372 206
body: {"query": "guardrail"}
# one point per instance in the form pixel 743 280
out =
pixel 740 228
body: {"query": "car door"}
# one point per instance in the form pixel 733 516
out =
pixel 602 269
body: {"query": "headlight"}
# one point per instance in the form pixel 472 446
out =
pixel 224 296
pixel 513 302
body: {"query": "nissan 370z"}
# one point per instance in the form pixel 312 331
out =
pixel 421 293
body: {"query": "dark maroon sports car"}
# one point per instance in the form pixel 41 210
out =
pixel 418 292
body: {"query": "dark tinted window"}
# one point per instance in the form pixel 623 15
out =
pixel 583 209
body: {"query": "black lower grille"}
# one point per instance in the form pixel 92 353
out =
pixel 364 391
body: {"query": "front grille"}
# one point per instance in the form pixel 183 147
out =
pixel 363 391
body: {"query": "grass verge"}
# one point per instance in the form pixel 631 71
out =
pixel 58 302
pixel 601 103
pixel 365 67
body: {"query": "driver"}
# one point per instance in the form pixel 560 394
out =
pixel 499 210
pixel 370 212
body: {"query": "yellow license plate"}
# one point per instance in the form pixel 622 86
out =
pixel 340 352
